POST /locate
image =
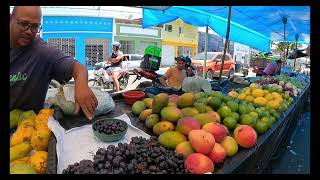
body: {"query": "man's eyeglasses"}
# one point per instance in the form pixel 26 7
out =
pixel 24 25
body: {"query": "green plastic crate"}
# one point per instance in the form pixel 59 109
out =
pixel 153 51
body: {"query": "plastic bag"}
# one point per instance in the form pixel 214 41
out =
pixel 105 101
pixel 196 84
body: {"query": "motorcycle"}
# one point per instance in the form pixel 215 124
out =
pixel 151 75
pixel 103 78
pixel 154 77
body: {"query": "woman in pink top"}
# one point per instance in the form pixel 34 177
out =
pixel 272 68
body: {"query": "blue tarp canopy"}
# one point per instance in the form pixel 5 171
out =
pixel 254 26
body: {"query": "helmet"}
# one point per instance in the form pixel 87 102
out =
pixel 188 61
pixel 116 44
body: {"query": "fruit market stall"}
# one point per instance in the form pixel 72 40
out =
pixel 243 113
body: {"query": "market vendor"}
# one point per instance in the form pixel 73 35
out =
pixel 272 68
pixel 33 64
pixel 175 75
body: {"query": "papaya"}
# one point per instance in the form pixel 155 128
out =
pixel 40 139
pixel 21 135
pixel 27 115
pixel 15 117
pixel 19 151
pixel 22 160
pixel 38 161
pixel 21 168
pixel 41 121
pixel 47 111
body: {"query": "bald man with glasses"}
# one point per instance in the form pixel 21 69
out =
pixel 33 64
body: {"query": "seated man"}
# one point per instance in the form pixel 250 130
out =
pixel 272 68
pixel 175 75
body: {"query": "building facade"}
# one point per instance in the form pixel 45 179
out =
pixel 133 38
pixel 215 43
pixel 178 38
pixel 241 53
pixel 87 39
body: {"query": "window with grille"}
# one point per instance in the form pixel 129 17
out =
pixel 168 28
pixel 96 50
pixel 67 45
pixel 127 47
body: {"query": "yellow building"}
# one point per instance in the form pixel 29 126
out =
pixel 178 38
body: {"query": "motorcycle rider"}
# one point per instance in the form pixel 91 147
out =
pixel 115 60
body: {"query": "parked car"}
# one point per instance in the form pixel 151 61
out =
pixel 213 64
pixel 132 61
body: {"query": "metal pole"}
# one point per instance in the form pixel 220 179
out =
pixel 295 58
pixel 204 73
pixel 284 21
pixel 226 43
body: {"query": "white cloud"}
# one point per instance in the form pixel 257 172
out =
pixel 276 36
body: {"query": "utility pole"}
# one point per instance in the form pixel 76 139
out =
pixel 284 21
pixel 295 58
pixel 205 53
pixel 226 43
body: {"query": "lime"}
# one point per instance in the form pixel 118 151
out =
pixel 230 122
pixel 200 107
pixel 250 108
pixel 242 109
pixel 215 103
pixel 217 94
pixel 227 98
pixel 254 115
pixel 282 108
pixel 276 116
pixel 263 114
pixel 291 100
pixel 235 115
pixel 233 105
pixel 224 111
pixel 267 120
pixel 273 119
pixel 247 119
pixel 261 127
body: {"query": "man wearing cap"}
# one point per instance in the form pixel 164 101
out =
pixel 175 75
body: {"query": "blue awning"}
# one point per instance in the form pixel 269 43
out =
pixel 254 26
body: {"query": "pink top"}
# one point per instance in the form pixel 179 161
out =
pixel 272 69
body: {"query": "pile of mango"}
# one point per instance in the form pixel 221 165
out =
pixel 29 143
pixel 192 125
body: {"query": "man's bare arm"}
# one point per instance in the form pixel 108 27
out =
pixel 163 81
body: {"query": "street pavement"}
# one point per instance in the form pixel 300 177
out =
pixel 296 157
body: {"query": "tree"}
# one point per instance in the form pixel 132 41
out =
pixel 285 47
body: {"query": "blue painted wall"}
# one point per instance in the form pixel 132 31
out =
pixel 80 28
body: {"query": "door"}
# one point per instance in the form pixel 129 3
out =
pixel 167 57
